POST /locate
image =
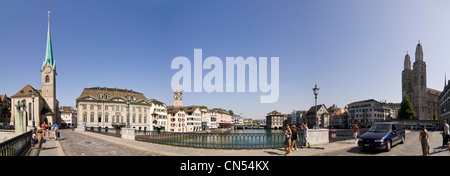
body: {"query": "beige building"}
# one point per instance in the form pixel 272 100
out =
pixel 322 114
pixel 275 120
pixel 108 107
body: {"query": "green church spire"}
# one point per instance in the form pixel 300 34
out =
pixel 49 53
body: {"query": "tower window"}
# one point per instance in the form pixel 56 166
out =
pixel 47 79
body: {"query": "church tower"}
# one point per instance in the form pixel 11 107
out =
pixel 407 77
pixel 48 71
pixel 178 97
pixel 420 84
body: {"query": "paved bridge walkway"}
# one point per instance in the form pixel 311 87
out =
pixel 83 143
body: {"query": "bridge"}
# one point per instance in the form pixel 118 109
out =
pixel 249 126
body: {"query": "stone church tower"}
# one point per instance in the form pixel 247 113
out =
pixel 178 97
pixel 48 75
pixel 414 85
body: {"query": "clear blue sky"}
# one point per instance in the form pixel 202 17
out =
pixel 352 49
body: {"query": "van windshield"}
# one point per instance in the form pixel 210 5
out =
pixel 379 128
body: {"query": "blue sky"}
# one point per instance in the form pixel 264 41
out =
pixel 352 49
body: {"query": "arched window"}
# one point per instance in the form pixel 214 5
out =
pixel 100 95
pixel 47 79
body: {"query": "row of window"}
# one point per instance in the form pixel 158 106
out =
pixel 119 108
pixel 116 118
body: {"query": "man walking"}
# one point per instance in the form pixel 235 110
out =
pixel 355 133
pixel 446 134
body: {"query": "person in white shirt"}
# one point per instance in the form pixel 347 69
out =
pixel 446 134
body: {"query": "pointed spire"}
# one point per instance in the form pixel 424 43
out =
pixel 49 51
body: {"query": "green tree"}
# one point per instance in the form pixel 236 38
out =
pixel 231 112
pixel 406 109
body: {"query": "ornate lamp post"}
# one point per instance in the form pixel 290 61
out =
pixel 316 92
pixel 33 95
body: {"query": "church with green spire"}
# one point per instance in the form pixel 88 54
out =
pixel 44 106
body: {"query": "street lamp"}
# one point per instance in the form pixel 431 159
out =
pixel 128 113
pixel 33 95
pixel 316 92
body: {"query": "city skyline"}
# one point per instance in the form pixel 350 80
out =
pixel 348 48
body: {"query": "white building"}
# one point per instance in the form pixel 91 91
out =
pixel 68 116
pixel 238 119
pixel 366 112
pixel 206 117
pixel 158 112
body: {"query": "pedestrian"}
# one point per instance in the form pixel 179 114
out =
pixel 40 135
pixel 49 130
pixel 423 138
pixel 294 138
pixel 33 140
pixel 446 134
pixel 287 141
pixel 305 129
pixel 55 129
pixel 355 132
pixel 44 129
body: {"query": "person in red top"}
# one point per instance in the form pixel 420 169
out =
pixel 355 132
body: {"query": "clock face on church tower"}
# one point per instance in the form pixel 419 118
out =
pixel 177 96
pixel 47 69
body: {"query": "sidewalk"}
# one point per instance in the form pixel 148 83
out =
pixel 50 147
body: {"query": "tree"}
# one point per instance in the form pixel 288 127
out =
pixel 406 109
pixel 231 112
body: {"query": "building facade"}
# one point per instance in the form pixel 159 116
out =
pixel 322 114
pixel 275 120
pixel 158 112
pixel 365 113
pixel 68 116
pixel 110 107
pixel 425 100
pixel 5 110
pixel 444 100
pixel 221 117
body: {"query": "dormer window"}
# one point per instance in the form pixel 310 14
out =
pixel 100 95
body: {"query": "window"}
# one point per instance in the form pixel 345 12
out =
pixel 47 79
pixel 100 95
pixel 100 118
pixel 134 118
pixel 106 118
pixel 92 117
pixel 140 118
pixel 107 96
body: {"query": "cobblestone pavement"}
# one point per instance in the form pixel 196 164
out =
pixel 411 147
pixel 78 144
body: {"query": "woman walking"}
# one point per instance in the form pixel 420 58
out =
pixel 40 135
pixel 294 138
pixel 423 137
pixel 287 141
